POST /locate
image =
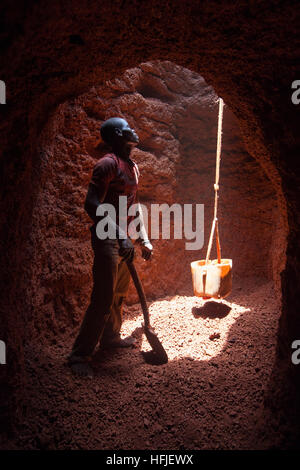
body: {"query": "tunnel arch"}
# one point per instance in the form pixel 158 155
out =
pixel 176 121
pixel 254 82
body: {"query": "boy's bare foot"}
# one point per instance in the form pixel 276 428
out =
pixel 118 342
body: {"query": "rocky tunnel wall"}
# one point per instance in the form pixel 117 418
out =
pixel 54 52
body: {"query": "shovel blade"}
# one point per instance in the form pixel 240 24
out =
pixel 158 354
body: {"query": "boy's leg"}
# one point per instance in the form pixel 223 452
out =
pixel 105 269
pixel 113 325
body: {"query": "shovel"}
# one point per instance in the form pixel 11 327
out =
pixel 158 355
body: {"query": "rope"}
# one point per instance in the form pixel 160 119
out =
pixel 214 227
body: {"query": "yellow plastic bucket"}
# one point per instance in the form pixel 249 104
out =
pixel 212 279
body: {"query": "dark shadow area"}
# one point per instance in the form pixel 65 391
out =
pixel 150 357
pixel 211 309
pixel 102 355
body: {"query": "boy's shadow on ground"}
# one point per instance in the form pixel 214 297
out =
pixel 211 309
pixel 150 357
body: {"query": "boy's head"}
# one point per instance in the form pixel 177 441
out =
pixel 116 131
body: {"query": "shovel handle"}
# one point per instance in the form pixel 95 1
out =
pixel 140 291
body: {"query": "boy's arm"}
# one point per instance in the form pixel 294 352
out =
pixel 144 241
pixel 91 204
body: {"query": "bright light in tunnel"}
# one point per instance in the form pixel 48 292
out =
pixel 184 328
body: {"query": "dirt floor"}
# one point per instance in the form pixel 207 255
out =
pixel 208 396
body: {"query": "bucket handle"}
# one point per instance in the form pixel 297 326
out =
pixel 214 228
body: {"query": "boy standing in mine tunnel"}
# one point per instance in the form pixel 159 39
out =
pixel 114 175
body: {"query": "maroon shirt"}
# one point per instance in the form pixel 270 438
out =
pixel 114 177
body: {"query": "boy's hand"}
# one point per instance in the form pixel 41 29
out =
pixel 147 250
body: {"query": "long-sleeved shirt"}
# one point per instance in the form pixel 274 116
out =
pixel 114 177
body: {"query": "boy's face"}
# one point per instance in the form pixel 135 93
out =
pixel 126 133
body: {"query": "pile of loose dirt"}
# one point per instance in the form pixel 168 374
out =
pixel 208 396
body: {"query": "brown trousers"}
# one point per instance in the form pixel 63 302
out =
pixel 103 318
